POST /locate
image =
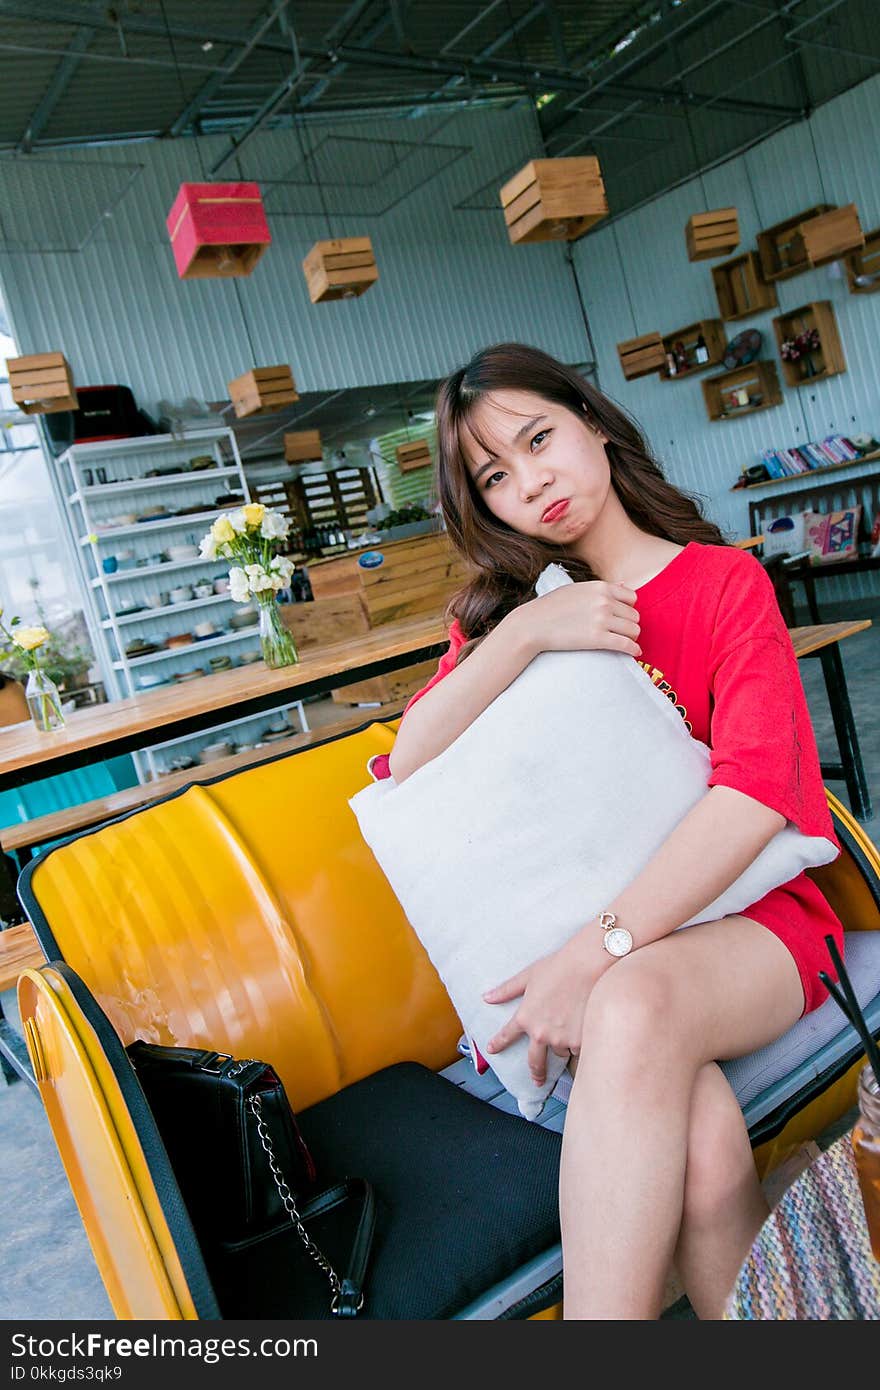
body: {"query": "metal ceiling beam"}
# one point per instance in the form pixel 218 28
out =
pixel 286 88
pixel 662 42
pixel 225 71
pixel 55 90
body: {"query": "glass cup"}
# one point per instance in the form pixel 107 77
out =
pixel 866 1148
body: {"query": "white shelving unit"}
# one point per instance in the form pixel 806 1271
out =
pixel 135 508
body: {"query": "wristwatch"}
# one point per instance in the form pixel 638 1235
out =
pixel 617 940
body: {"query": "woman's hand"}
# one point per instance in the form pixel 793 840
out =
pixel 554 990
pixel 592 615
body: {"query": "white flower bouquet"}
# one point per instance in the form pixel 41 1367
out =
pixel 252 536
pixel 43 697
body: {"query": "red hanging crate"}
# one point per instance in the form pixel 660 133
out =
pixel 217 229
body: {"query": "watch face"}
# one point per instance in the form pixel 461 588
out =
pixel 618 941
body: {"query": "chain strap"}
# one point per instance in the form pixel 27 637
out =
pixel 255 1105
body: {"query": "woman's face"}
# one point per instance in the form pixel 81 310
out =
pixel 541 469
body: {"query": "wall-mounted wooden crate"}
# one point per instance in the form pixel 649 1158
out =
pixel 831 235
pixel 302 446
pixel 827 360
pixel 262 390
pixel 741 289
pixel 642 356
pixel 41 383
pixel 759 382
pixel 709 235
pixel 811 238
pixel 554 199
pixel 714 337
pixel 340 269
pixel 863 266
pixel 414 454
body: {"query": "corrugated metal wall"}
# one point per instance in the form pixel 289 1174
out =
pixel 86 267
pixel 86 264
pixel 635 277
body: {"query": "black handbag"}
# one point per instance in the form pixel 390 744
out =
pixel 243 1168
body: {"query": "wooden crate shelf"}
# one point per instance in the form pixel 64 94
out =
pixel 741 289
pixel 41 383
pixel 642 356
pixel 864 265
pixel 685 340
pixel 709 235
pixel 416 453
pixel 811 238
pixel 303 446
pixel 828 360
pixel 554 199
pixel 343 268
pixel 262 391
pixel 757 379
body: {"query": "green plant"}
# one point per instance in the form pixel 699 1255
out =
pixel 409 512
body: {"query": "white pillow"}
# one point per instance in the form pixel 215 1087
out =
pixel 534 819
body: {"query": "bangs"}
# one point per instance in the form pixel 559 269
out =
pixel 470 433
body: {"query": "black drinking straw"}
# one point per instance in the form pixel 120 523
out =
pixel 849 1005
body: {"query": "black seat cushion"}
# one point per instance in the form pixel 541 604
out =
pixel 465 1196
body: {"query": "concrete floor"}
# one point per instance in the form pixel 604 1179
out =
pixel 48 1269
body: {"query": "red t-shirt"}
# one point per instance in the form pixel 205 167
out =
pixel 714 641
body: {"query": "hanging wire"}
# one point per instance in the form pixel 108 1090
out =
pixel 183 92
pixel 206 178
pixel 824 196
pixel 613 230
pixel 313 172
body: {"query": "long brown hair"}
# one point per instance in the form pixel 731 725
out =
pixel 505 564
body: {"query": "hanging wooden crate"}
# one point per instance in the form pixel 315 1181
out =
pixel 863 267
pixel 741 289
pixel 554 199
pixel 712 234
pixel 303 446
pixel 831 235
pixel 642 356
pixel 217 230
pixel 340 269
pixel 412 455
pixel 262 390
pixel 42 383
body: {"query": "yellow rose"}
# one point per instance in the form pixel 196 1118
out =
pixel 253 514
pixel 222 530
pixel 29 638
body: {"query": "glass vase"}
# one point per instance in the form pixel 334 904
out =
pixel 278 646
pixel 44 702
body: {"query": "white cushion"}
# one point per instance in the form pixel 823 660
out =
pixel 534 819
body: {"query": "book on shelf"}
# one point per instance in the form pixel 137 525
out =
pixel 801 459
pixel 792 461
pixel 813 451
pixel 773 464
pixel 827 453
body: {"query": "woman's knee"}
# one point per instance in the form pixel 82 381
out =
pixel 631 1008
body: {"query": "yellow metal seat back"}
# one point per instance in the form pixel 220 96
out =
pixel 109 1163
pixel 248 915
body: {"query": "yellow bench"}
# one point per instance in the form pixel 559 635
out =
pixel 248 915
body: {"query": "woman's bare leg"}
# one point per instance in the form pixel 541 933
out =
pixel 653 1021
pixel 724 1206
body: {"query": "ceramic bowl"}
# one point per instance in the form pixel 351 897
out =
pixel 183 552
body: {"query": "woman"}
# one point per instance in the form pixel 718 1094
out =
pixel 535 465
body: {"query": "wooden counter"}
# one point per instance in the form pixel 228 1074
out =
pixel 417 578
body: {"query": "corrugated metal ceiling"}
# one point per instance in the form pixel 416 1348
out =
pixel 657 89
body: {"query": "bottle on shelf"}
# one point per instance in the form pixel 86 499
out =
pixel 671 367
pixel 701 352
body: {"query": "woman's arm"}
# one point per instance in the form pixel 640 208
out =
pixel 709 848
pixel 587 616
pixel 455 702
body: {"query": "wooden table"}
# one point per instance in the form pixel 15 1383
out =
pixel 124 726
pixel 823 640
pixel 812 1260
